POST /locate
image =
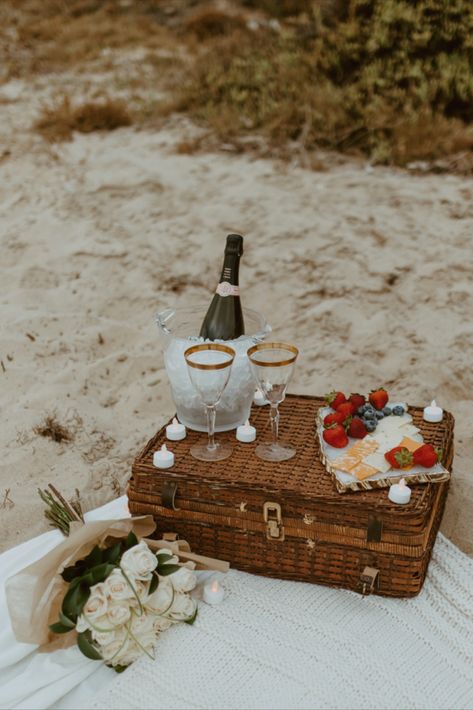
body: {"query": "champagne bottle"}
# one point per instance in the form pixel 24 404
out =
pixel 224 319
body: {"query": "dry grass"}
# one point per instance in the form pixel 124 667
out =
pixel 51 428
pixel 58 122
pixel 209 22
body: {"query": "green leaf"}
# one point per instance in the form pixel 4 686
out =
pixel 119 669
pixel 154 583
pixel 165 570
pixel 81 566
pixel 59 628
pixel 130 541
pixel 65 621
pixel 192 618
pixel 163 558
pixel 112 555
pixel 98 574
pixel 74 601
pixel 85 645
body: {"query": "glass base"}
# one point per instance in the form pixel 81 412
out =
pixel 275 452
pixel 201 452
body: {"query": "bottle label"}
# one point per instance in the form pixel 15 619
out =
pixel 226 289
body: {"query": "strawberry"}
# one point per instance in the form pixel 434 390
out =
pixel 334 418
pixel 357 429
pixel 399 457
pixel 357 400
pixel 335 436
pixel 346 408
pixel 334 398
pixel 379 398
pixel 426 456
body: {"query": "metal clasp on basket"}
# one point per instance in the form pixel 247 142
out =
pixel 369 579
pixel 273 519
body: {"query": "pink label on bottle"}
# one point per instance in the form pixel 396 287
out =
pixel 226 289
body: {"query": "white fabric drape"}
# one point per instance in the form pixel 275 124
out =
pixel 271 644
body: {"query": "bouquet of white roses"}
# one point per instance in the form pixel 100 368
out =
pixel 121 597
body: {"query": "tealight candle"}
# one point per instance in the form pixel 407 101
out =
pixel 246 433
pixel 400 493
pixel 213 592
pixel 434 413
pixel 163 458
pixel 259 399
pixel 175 431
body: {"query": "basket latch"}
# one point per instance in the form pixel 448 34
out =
pixel 168 495
pixel 273 519
pixel 369 580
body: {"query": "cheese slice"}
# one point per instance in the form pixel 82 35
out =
pixel 363 447
pixel 378 461
pixel 362 471
pixel 410 444
pixel 346 462
pixel 389 424
pixel 388 441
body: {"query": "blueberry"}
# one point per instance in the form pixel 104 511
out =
pixel 369 414
pixel 370 425
pixel 360 410
pixel 387 411
pixel 398 411
pixel 378 414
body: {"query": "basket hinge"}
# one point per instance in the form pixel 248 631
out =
pixel 369 580
pixel 168 495
pixel 375 529
pixel 273 519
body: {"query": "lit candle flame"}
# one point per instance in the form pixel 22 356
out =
pixel 402 483
pixel 164 449
pixel 433 403
pixel 247 423
pixel 174 421
pixel 215 586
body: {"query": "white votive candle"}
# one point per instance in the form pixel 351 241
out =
pixel 163 458
pixel 259 399
pixel 246 433
pixel 213 592
pixel 433 413
pixel 400 493
pixel 175 431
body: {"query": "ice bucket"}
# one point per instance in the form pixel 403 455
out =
pixel 179 328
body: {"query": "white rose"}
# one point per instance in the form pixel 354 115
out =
pixel 160 600
pixel 161 624
pixel 117 586
pixel 183 580
pixel 183 607
pixel 116 646
pixel 139 562
pixel 97 604
pixel 118 614
pixel 142 591
pixel 141 623
pixel 104 637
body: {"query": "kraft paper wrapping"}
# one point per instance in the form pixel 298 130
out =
pixel 34 595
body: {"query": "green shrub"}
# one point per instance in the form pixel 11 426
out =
pixel 391 79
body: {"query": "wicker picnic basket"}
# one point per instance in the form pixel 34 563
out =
pixel 287 519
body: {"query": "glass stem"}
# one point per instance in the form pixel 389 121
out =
pixel 211 411
pixel 274 415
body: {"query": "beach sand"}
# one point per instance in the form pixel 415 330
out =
pixel 367 269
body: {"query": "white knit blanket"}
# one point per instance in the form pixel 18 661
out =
pixel 275 644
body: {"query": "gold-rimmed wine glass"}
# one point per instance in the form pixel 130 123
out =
pixel 273 365
pixel 209 366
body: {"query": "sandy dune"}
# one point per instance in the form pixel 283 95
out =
pixel 368 270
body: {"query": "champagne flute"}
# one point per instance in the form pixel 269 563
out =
pixel 209 366
pixel 273 365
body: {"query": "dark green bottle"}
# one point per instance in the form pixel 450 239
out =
pixel 224 319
